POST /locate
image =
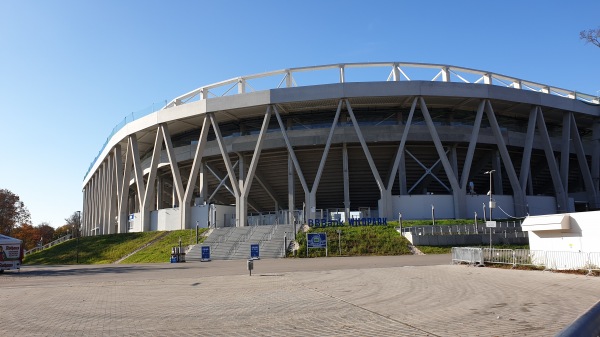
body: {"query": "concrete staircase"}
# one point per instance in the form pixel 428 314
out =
pixel 233 243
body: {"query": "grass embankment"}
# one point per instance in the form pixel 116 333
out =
pixel 355 241
pixel 160 251
pixel 104 249
pixel 92 249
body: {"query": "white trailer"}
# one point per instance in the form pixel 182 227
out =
pixel 11 253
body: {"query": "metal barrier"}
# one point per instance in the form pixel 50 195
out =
pixel 467 255
pixel 48 245
pixel 587 324
pixel 550 260
pixel 508 228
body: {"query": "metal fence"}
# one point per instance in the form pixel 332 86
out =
pixel 48 245
pixel 549 260
pixel 467 255
pixel 508 228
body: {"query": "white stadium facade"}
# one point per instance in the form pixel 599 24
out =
pixel 369 140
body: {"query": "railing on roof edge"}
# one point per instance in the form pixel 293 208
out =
pixel 398 71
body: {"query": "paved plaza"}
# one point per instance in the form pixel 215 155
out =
pixel 351 296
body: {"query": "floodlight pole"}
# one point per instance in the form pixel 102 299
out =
pixel 490 172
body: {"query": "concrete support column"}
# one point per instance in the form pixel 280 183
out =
pixel 84 210
pixel 202 183
pixel 346 182
pixel 93 206
pixel 519 196
pixel 294 160
pixel 311 205
pixel 596 160
pixel 565 150
pixel 497 165
pixel 561 197
pixel 104 197
pixel 458 193
pixel 525 174
pixel 291 189
pixel 112 195
pixel 197 166
pixel 402 175
pixel 173 195
pixel 454 160
pixel 159 192
pixel 241 204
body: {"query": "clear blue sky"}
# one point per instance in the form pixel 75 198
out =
pixel 71 70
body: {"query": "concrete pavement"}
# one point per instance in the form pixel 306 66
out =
pixel 359 296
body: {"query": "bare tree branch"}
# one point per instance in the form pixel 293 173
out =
pixel 591 35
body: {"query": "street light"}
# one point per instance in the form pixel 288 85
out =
pixel 400 221
pixel 77 236
pixel 492 203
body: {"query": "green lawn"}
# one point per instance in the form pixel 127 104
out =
pixel 92 249
pixel 161 250
pixel 366 240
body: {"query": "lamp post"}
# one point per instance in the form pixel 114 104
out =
pixel 492 204
pixel 400 221
pixel 76 231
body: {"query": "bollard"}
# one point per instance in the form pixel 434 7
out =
pixel 250 265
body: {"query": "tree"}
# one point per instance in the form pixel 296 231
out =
pixel 46 232
pixel 28 234
pixel 591 35
pixel 73 223
pixel 62 231
pixel 12 212
pixel 32 236
pixel 70 226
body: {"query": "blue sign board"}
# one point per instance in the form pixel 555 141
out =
pixel 206 253
pixel 254 251
pixel 316 240
pixel 351 222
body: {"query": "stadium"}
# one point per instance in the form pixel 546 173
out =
pixel 374 141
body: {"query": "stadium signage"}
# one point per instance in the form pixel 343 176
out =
pixel 320 223
pixel 10 252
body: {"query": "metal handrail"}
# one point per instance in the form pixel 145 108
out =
pixel 48 245
pixel 398 72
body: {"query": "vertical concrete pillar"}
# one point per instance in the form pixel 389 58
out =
pixel 402 175
pixel 596 161
pixel 291 190
pixel 241 205
pixel 497 165
pixel 565 151
pixel 202 189
pixel 346 182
